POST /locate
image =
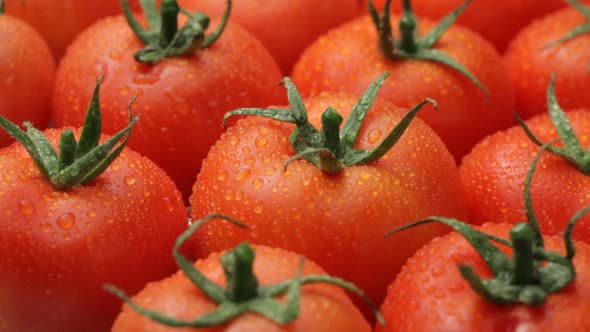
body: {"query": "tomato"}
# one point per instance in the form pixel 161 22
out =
pixel 60 245
pixel 59 22
pixel 534 55
pixel 429 294
pixel 466 115
pixel 182 99
pixel 336 218
pixel 300 22
pixel 498 22
pixel 28 71
pixel 318 306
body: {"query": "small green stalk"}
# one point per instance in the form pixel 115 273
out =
pixel 580 29
pixel 77 163
pixel 331 149
pixel 571 150
pixel 243 293
pixel 533 273
pixel 410 45
pixel 164 38
pixel 2 6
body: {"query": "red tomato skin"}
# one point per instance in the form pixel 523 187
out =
pixel 429 293
pixel 531 64
pixel 337 221
pixel 181 100
pixel 59 248
pixel 323 307
pixel 464 116
pixel 493 176
pixel 300 22
pixel 27 70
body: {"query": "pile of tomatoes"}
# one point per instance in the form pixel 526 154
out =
pixel 319 126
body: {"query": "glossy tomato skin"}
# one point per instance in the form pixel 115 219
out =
pixel 59 248
pixel 335 220
pixel 464 115
pixel 531 63
pixel 27 70
pixel 323 307
pixel 429 293
pixel 284 27
pixel 181 100
pixel 59 22
pixel 493 175
pixel 496 21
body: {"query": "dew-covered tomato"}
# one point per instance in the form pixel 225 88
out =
pixel 27 72
pixel 335 206
pixel 182 99
pixel 66 234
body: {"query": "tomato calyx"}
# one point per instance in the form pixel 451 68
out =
pixel 533 273
pixel 580 29
pixel 571 150
pixel 243 293
pixel 2 6
pixel 77 162
pixel 164 38
pixel 331 149
pixel 410 45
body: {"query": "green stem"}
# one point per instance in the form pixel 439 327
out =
pixel 329 160
pixel 522 237
pixel 2 6
pixel 169 12
pixel 238 264
pixel 408 26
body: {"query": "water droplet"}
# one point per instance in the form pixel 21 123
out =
pixel 260 141
pixel 263 130
pixel 129 180
pixel 26 206
pixel 114 55
pixel 258 208
pixel 229 195
pixel 250 161
pixel 109 220
pixel 75 170
pixel 168 203
pixel 222 175
pixel 124 91
pixel 146 79
pixel 91 213
pixel 374 136
pixel 437 271
pixel 66 221
pixel 257 183
pixel 269 171
pixel 45 227
pixel 242 174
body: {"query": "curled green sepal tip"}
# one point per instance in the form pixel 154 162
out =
pixel 2 6
pixel 412 46
pixel 243 292
pixel 533 273
pixel 164 38
pixel 332 148
pixel 578 30
pixel 77 162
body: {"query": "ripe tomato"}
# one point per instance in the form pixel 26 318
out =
pixel 300 22
pixel 531 59
pixel 429 294
pixel 59 246
pixel 337 220
pixel 27 71
pixel 181 99
pixel 465 116
pixel 316 306
pixel 496 21
pixel 59 22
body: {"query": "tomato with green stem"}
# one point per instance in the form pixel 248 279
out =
pixel 247 288
pixel 560 44
pixel 27 70
pixel 540 288
pixel 186 78
pixel 493 173
pixel 76 216
pixel 328 193
pixel 445 62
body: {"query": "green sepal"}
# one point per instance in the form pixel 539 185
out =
pixel 332 149
pixel 2 6
pixel 411 46
pixel 533 273
pixel 163 38
pixel 579 30
pixel 77 162
pixel 243 293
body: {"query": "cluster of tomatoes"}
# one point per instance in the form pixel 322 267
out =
pixel 347 138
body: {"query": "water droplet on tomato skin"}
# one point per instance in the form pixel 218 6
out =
pixel 109 220
pixel 437 271
pixel 26 206
pixel 129 180
pixel 242 175
pixel 66 221
pixel 45 227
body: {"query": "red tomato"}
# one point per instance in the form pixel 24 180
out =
pixel 284 27
pixel 496 21
pixel 337 220
pixel 465 114
pixel 181 99
pixel 59 22
pixel 27 71
pixel 59 246
pixel 429 294
pixel 531 60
